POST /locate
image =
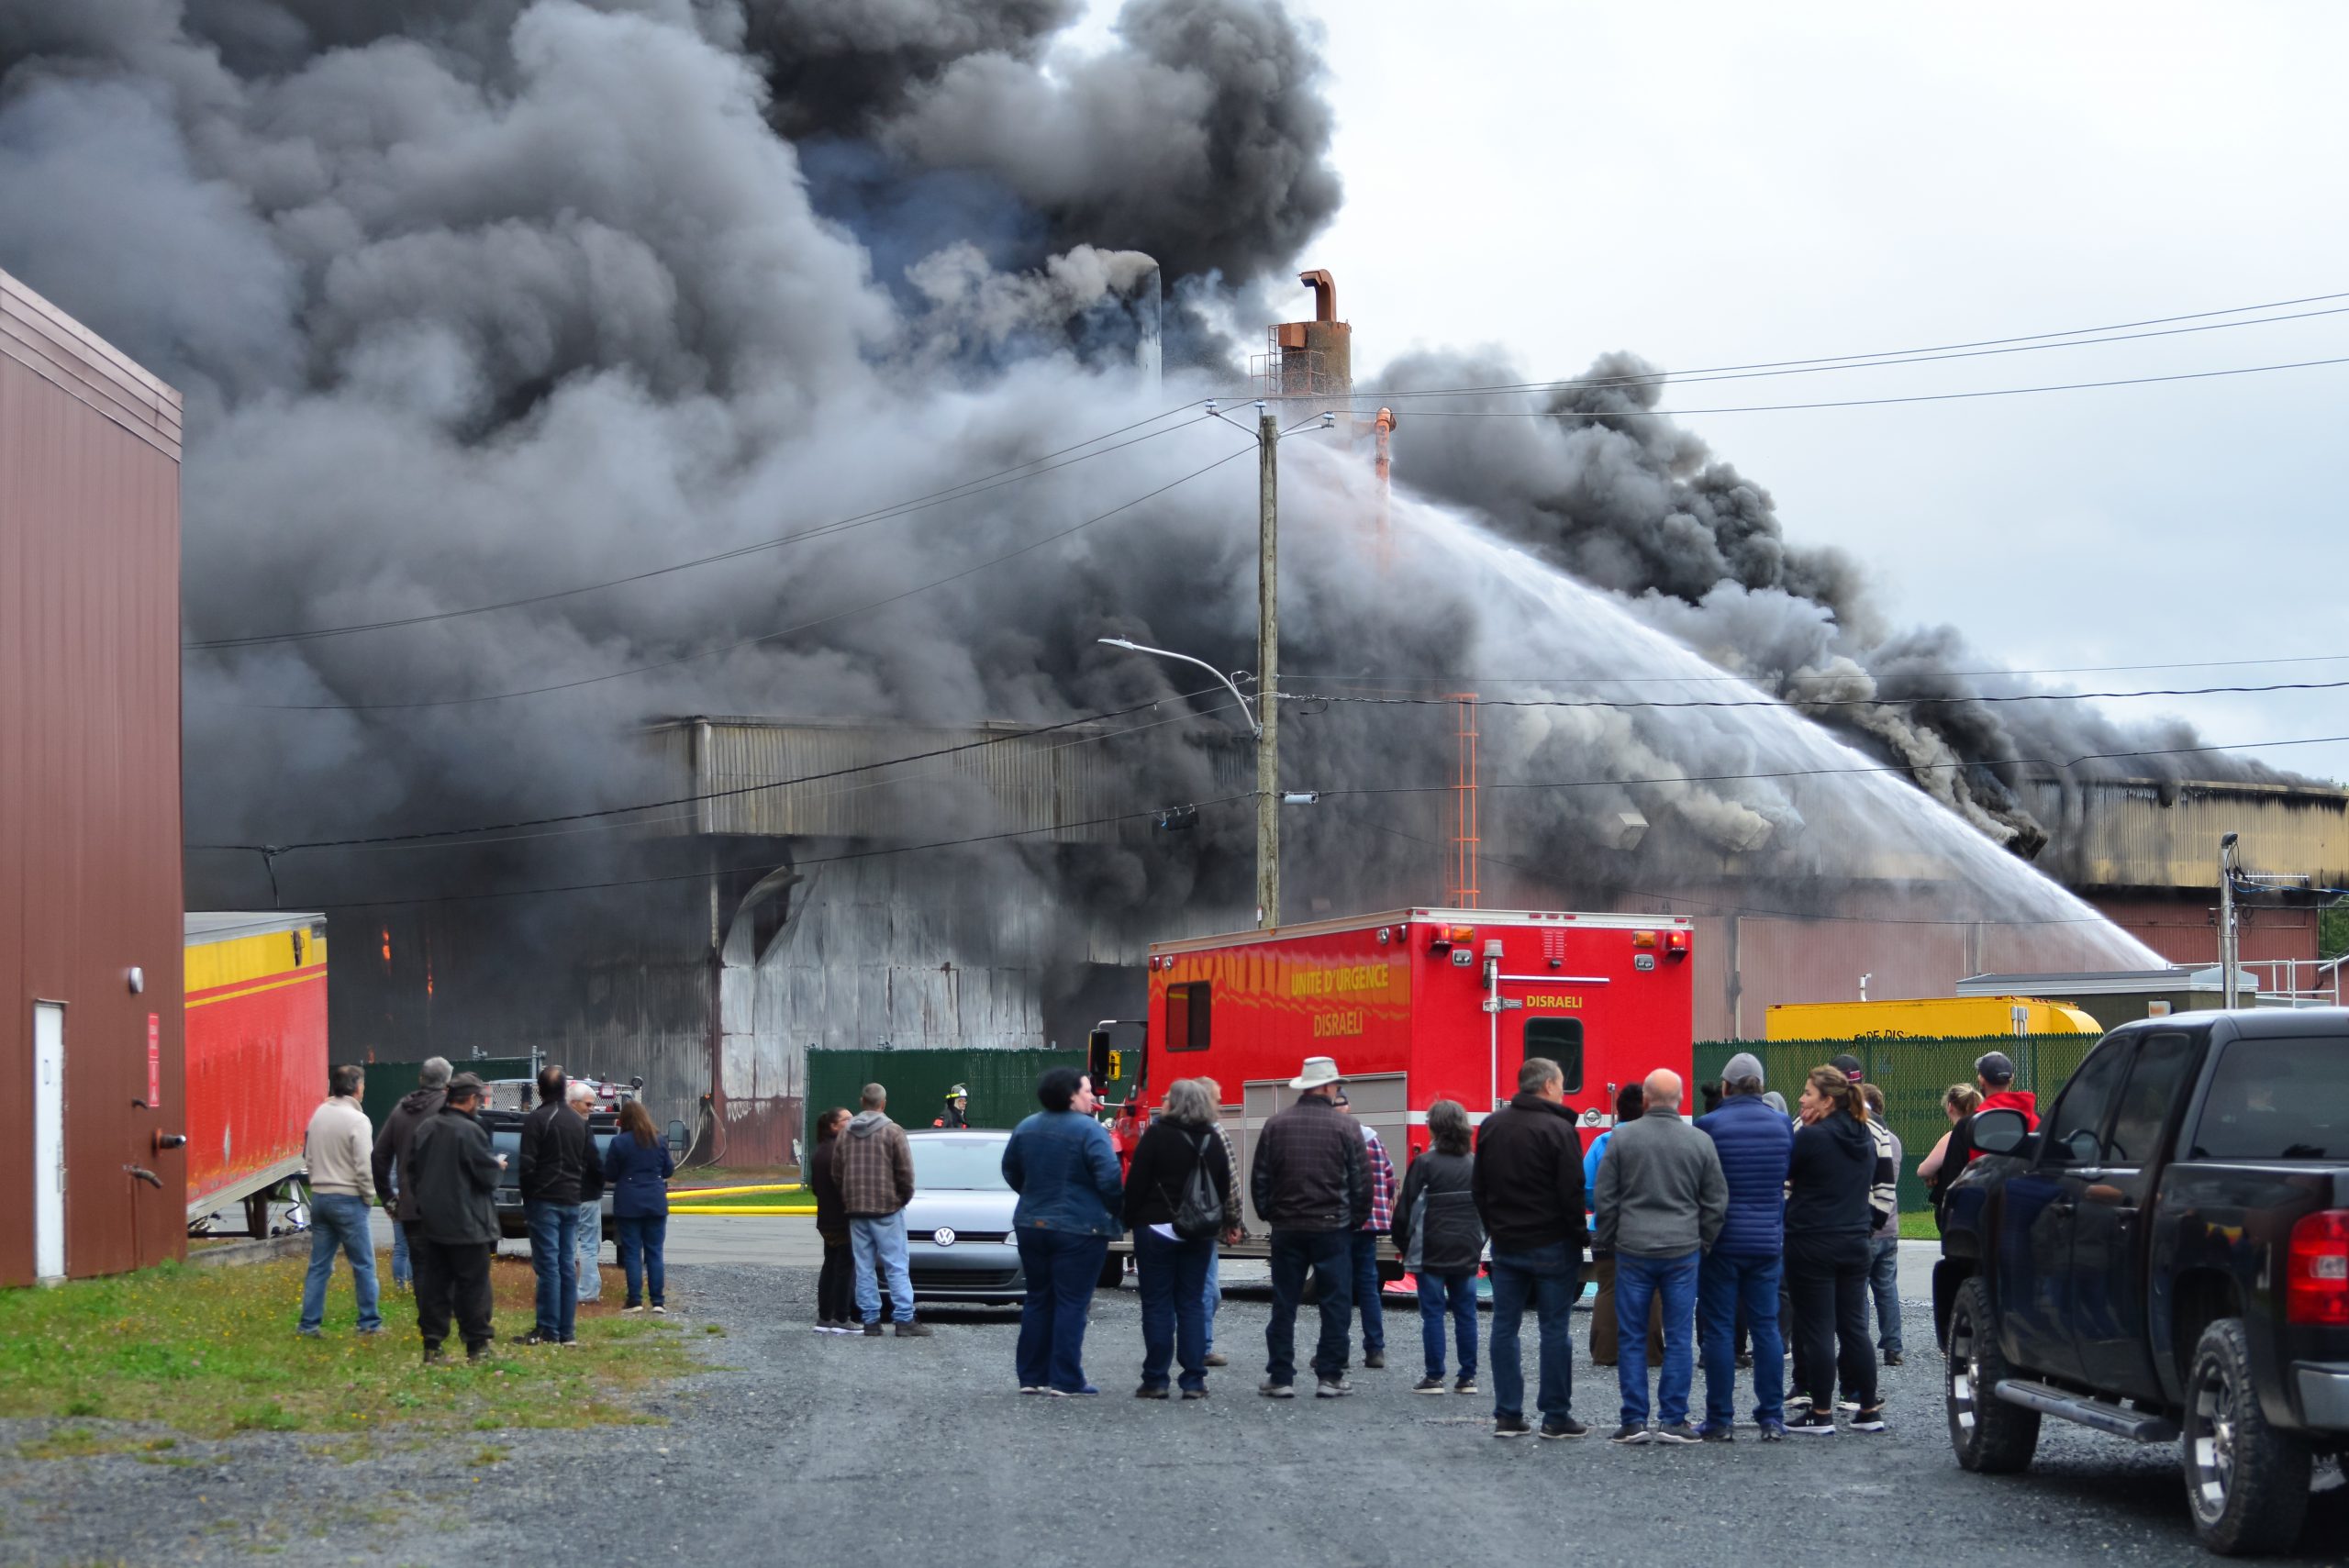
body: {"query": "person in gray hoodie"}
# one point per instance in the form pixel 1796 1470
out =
pixel 1661 1202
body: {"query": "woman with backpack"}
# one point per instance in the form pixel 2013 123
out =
pixel 1178 1196
pixel 1441 1240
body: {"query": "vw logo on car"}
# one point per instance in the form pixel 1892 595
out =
pixel 943 1236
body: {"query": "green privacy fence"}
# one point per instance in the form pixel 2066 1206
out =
pixel 1002 1083
pixel 1913 1074
pixel 388 1080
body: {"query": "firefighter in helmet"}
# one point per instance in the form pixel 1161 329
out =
pixel 958 1109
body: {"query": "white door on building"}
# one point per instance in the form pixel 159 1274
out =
pixel 48 1141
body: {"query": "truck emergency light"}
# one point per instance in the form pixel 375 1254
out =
pixel 1676 943
pixel 1643 939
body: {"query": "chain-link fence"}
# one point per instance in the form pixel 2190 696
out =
pixel 1913 1074
pixel 1002 1083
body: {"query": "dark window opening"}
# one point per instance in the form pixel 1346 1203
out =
pixel 1560 1039
pixel 1187 1014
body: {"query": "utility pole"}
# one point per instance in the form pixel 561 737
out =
pixel 1268 660
pixel 2229 938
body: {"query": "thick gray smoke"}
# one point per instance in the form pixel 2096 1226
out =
pixel 1640 506
pixel 476 300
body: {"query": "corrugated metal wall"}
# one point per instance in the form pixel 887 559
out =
pixel 2143 834
pixel 1024 782
pixel 89 780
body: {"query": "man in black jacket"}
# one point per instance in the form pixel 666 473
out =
pixel 1311 1183
pixel 454 1186
pixel 554 1150
pixel 390 1161
pixel 1528 1190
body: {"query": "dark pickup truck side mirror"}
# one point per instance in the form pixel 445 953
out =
pixel 676 1137
pixel 2000 1131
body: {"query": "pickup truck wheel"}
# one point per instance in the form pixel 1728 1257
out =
pixel 2246 1483
pixel 1113 1273
pixel 1989 1435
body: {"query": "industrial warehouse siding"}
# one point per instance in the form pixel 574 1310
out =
pixel 2141 834
pixel 89 780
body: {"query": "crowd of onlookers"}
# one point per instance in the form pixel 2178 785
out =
pixel 1746 1235
pixel 433 1166
pixel 1749 1236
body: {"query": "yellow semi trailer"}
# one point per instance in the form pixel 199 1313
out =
pixel 1928 1018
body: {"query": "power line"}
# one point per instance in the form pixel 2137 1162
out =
pixel 1375 677
pixel 1834 772
pixel 1807 703
pixel 763 637
pixel 1865 402
pixel 962 492
pixel 1851 361
pixel 1719 908
pixel 466 836
pixel 769 865
pixel 1659 378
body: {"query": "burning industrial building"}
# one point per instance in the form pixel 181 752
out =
pixel 658 476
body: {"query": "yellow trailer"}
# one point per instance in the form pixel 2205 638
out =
pixel 1929 1017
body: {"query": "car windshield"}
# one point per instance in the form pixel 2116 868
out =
pixel 2277 1099
pixel 958 1164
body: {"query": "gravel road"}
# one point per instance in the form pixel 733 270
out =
pixel 798 1446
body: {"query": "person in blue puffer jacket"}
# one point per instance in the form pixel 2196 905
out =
pixel 1756 1145
pixel 1060 1163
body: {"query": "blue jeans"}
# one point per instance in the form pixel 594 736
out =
pixel 1366 1293
pixel 1726 1286
pixel 403 1269
pixel 1328 1256
pixel 591 1248
pixel 879 1247
pixel 1453 1296
pixel 1062 1267
pixel 338 1222
pixel 1552 1276
pixel 643 1238
pixel 1213 1295
pixel 1173 1278
pixel 1639 1281
pixel 1883 1282
pixel 555 1258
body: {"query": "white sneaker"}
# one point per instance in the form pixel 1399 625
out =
pixel 661 1310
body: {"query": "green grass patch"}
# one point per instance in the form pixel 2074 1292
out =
pixel 213 1351
pixel 1917 1225
pixel 796 1198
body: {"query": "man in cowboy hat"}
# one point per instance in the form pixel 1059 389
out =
pixel 1311 1183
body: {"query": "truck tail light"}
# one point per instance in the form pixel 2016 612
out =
pixel 1643 939
pixel 2316 1277
pixel 1676 943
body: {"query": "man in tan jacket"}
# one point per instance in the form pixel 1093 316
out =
pixel 339 1147
pixel 874 1166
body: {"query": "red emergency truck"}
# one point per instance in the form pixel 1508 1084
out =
pixel 1415 1005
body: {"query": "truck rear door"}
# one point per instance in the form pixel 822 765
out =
pixel 2043 1216
pixel 2111 1269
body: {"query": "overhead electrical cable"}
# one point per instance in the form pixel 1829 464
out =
pixel 1805 705
pixel 1836 360
pixel 1866 402
pixel 1153 811
pixel 981 485
pixel 1373 677
pixel 467 834
pixel 713 651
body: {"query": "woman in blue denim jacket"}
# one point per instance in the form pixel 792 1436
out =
pixel 1060 1163
pixel 637 1167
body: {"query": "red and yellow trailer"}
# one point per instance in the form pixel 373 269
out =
pixel 1417 1006
pixel 256 1051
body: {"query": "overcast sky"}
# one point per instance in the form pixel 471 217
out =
pixel 1709 185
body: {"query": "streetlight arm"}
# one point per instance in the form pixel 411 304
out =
pixel 1131 647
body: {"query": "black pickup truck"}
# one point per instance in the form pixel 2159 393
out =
pixel 2165 1258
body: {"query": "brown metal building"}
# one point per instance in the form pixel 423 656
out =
pixel 90 907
